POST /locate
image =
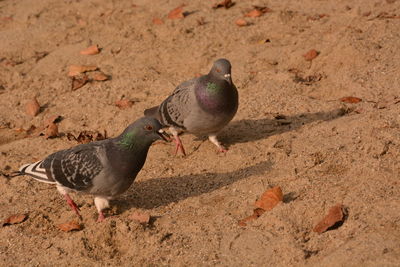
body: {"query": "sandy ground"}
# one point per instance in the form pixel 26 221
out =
pixel 291 131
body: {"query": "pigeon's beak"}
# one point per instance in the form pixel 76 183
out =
pixel 228 77
pixel 163 135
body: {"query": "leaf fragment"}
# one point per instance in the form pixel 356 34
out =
pixel 51 130
pixel 253 14
pixel 143 218
pixel 225 3
pixel 158 21
pixel 270 198
pixel 32 107
pixel 241 22
pixel 332 220
pixel 124 103
pixel 176 13
pixel 15 219
pixel 350 99
pixel 91 50
pixel 85 137
pixel 79 81
pixel 310 55
pixel 70 226
pixel 99 76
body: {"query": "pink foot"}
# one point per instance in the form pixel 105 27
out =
pixel 101 217
pixel 222 149
pixel 179 146
pixel 73 205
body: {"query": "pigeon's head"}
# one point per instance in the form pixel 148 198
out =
pixel 145 130
pixel 222 69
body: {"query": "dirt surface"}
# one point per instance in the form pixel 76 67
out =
pixel 291 130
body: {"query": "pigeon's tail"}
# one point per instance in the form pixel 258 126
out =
pixel 36 171
pixel 152 112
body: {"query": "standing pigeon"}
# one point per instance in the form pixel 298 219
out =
pixel 104 168
pixel 202 106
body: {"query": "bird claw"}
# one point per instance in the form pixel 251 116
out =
pixel 179 146
pixel 73 205
pixel 101 217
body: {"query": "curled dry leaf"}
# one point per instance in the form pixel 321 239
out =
pixel 270 198
pixel 69 226
pixel 177 13
pixel 332 220
pixel 351 99
pixel 241 22
pixel 14 219
pixel 91 50
pixel 32 107
pixel 158 21
pixel 78 69
pixel 225 3
pixel 99 76
pixel 254 13
pixel 79 81
pixel 143 218
pixel 310 55
pixel 124 103
pixel 51 130
pixel 87 136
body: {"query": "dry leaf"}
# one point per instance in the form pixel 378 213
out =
pixel 176 13
pixel 69 226
pixel 124 103
pixel 263 9
pixel 157 21
pixel 256 213
pixel 351 99
pixel 254 13
pixel 87 136
pixel 78 69
pixel 32 107
pixel 52 119
pixel 140 217
pixel 91 50
pixel 225 3
pixel 14 219
pixel 78 82
pixel 99 76
pixel 51 130
pixel 270 198
pixel 310 55
pixel 333 219
pixel 241 22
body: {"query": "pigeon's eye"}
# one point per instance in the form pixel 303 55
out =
pixel 148 127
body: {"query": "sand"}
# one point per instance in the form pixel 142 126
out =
pixel 291 130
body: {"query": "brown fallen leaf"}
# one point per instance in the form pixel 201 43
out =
pixel 91 50
pixel 32 107
pixel 241 22
pixel 79 81
pixel 87 136
pixel 270 198
pixel 52 119
pixel 69 226
pixel 143 218
pixel 124 103
pixel 253 14
pixel 51 130
pixel 158 21
pixel 78 69
pixel 333 219
pixel 310 55
pixel 14 219
pixel 256 213
pixel 176 13
pixel 350 99
pixel 225 3
pixel 99 76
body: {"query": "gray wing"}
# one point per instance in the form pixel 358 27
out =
pixel 74 168
pixel 177 106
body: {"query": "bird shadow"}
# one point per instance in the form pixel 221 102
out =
pixel 248 130
pixel 158 192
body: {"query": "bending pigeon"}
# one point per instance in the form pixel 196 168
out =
pixel 104 168
pixel 202 106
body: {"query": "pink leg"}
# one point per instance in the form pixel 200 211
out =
pixel 101 217
pixel 73 205
pixel 179 145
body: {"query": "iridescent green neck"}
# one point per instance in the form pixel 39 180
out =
pixel 212 88
pixel 127 141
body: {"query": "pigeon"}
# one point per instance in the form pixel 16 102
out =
pixel 105 168
pixel 201 106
